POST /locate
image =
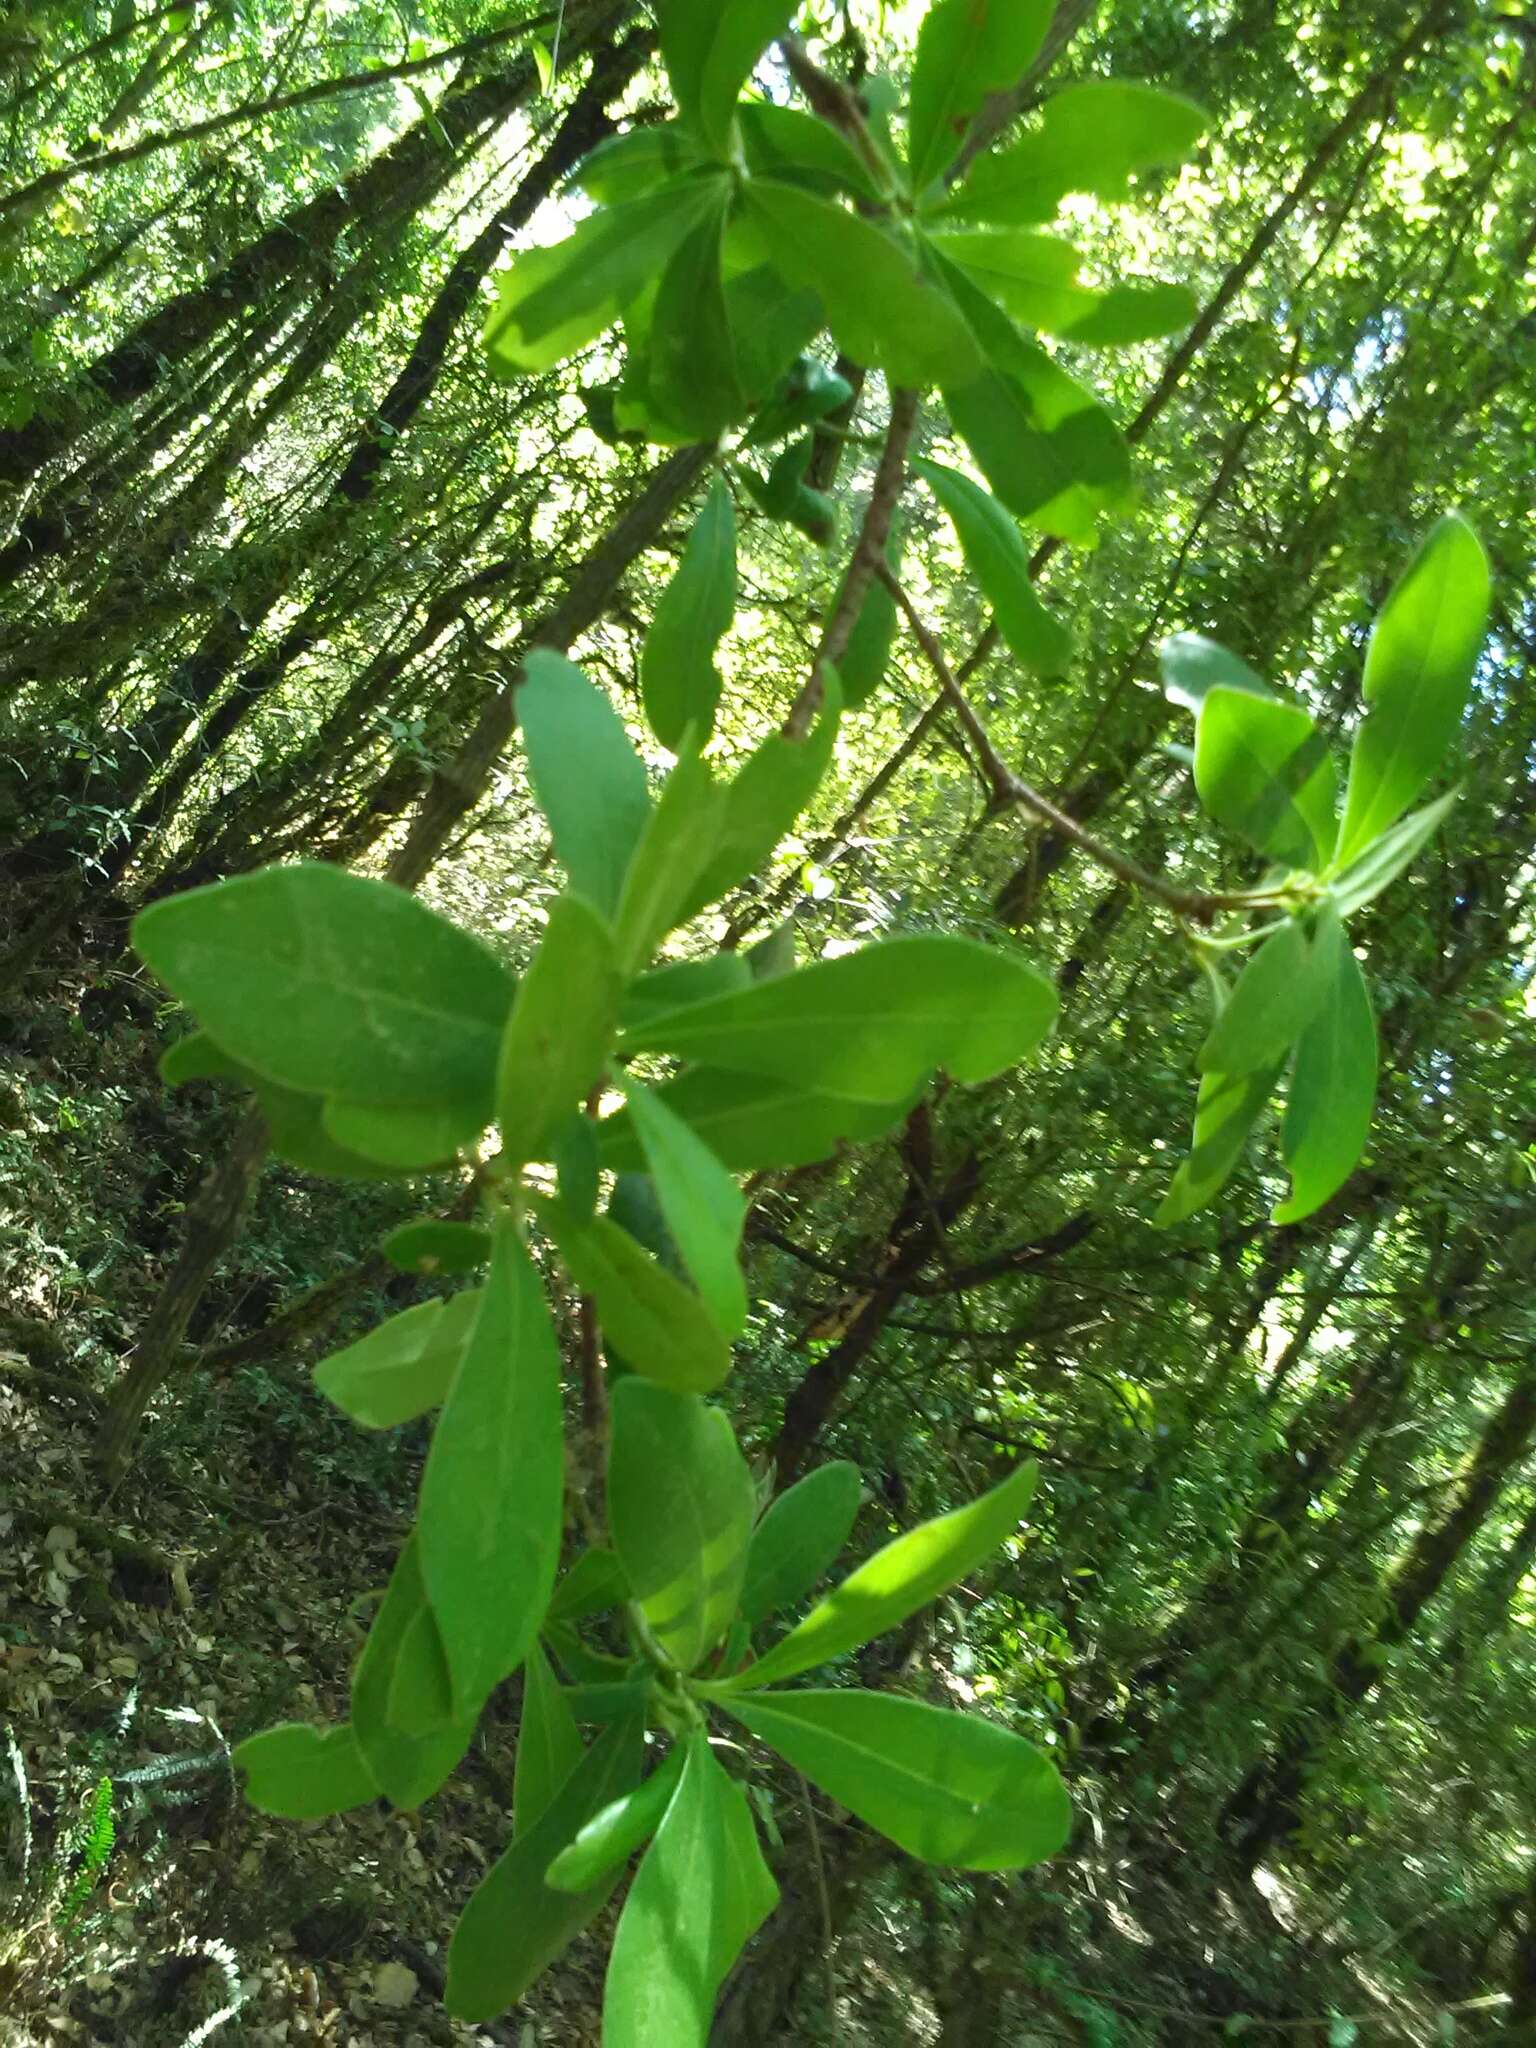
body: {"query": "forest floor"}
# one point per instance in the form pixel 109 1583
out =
pixel 225 1583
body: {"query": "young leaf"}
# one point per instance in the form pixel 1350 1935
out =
pixel 700 1893
pixel 1364 878
pixel 965 50
pixel 799 1537
pixel 882 308
pixel 1418 670
pixel 1271 1001
pixel 489 1513
pixel 994 553
pixel 303 1773
pixel 897 1580
pixel 807 392
pixel 560 1029
pixel 548 1746
pixel 551 302
pixel 1333 1085
pixel 406 1767
pixel 1090 138
pixel 709 48
pixel 1192 664
pixel 675 849
pixel 588 779
pixel 1264 771
pixel 319 980
pixel 678 678
pixel 763 800
pixel 515 1923
pixel 1226 1110
pixel 702 1204
pixel 874 1024
pixel 402 1368
pixel 948 1788
pixel 658 1326
pixel 751 1121
pixel 433 1246
pixel 593 1584
pixel 611 1837
pixel 680 1508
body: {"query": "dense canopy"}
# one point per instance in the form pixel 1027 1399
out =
pixel 751 745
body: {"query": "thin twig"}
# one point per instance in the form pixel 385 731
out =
pixel 1009 791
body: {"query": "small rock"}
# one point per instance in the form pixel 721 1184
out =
pixel 394 1985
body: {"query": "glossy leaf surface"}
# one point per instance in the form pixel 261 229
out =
pixel 1333 1088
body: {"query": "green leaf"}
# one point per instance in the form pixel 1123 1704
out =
pixel 424 1135
pixel 1264 771
pixel 295 1122
pixel 675 849
pixel 693 381
pixel 659 1326
pixel 406 1767
pixel 807 392
pixel 948 1788
pixel 1134 310
pixel 709 48
pixel 548 1746
pixel 611 1837
pixel 603 1704
pixel 752 1121
pixel 897 1580
pixel 1048 448
pixel 1333 1086
pixel 873 1024
pixel 783 494
pixel 1192 664
pixel 680 1510
pixel 594 1583
pixel 868 653
pixel 994 553
pixel 1033 276
pixel 703 1206
pixel 789 144
pixel 551 302
pixel 763 800
pixel 627 166
pixel 404 1367
pixel 883 310
pixel 320 980
pixel 573 1148
pixel 303 1773
pixel 799 1537
pixel 1226 1110
pixel 1260 1021
pixel 683 981
pixel 561 1027
pixel 515 1923
pixel 1090 138
pixel 1418 672
pixel 489 1513
pixel 588 779
pixel 1370 872
pixel 699 1895
pixel 678 678
pixel 431 1247
pixel 966 49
